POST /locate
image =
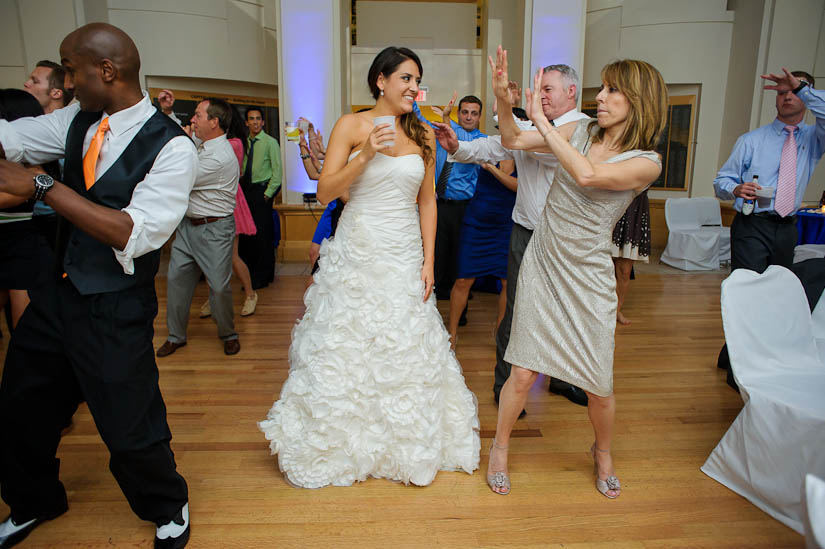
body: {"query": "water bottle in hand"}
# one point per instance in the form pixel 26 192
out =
pixel 747 206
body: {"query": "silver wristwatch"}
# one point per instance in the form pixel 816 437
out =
pixel 42 184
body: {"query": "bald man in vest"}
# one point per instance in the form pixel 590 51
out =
pixel 87 336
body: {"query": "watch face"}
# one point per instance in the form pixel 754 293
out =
pixel 43 180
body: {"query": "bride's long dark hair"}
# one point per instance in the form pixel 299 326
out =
pixel 386 63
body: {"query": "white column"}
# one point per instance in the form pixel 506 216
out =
pixel 554 30
pixel 309 78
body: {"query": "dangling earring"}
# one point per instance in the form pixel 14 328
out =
pixel 382 92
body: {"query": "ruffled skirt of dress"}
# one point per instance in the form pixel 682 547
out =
pixel 373 388
pixel 631 235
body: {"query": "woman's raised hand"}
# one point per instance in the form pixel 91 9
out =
pixel 498 74
pixel 376 140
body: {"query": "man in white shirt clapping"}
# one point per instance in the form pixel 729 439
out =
pixel 203 240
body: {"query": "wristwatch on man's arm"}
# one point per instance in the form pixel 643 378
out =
pixel 802 84
pixel 42 184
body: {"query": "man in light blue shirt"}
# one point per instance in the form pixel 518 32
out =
pixel 768 236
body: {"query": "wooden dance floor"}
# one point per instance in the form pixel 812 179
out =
pixel 672 408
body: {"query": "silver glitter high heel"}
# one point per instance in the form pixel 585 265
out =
pixel 499 481
pixel 611 483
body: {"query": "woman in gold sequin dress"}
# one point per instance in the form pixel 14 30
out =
pixel 565 313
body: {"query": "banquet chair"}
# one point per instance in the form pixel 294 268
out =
pixel 781 378
pixel 804 252
pixel 814 516
pixel 813 492
pixel 818 320
pixel 697 241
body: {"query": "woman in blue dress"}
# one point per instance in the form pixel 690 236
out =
pixel 485 238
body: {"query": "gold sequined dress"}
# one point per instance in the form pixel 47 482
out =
pixel 564 319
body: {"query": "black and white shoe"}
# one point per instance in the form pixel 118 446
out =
pixel 174 534
pixel 12 533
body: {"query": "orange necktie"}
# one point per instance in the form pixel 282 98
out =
pixel 90 160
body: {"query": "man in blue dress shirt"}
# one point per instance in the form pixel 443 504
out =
pixel 783 154
pixel 455 186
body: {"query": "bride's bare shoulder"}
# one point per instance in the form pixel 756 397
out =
pixel 354 126
pixel 353 121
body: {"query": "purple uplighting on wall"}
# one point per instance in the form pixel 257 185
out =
pixel 307 50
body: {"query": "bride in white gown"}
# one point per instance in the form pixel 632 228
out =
pixel 373 388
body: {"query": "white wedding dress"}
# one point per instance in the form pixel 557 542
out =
pixel 373 388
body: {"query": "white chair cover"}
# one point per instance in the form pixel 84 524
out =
pixel 818 319
pixel 724 244
pixel 814 512
pixel 695 241
pixel 776 364
pixel 803 252
pixel 813 492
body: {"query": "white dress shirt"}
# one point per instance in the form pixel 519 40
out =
pixel 217 181
pixel 158 202
pixel 535 170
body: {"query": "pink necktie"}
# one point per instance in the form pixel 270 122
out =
pixel 786 184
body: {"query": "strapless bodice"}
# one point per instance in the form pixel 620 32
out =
pixel 388 183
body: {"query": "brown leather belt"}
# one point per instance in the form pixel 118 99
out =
pixel 204 220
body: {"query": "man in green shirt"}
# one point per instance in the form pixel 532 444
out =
pixel 260 181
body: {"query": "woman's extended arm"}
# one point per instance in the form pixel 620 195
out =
pixel 306 157
pixel 427 212
pixel 636 173
pixel 339 172
pixel 511 136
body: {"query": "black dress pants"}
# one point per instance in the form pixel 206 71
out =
pixel 258 250
pixel 447 239
pixel 69 348
pixel 519 238
pixel 758 241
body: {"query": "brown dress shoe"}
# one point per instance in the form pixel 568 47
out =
pixel 169 347
pixel 231 346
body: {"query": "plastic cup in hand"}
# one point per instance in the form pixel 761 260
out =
pixel 764 196
pixel 292 133
pixel 378 120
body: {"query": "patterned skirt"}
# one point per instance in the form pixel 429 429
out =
pixel 631 236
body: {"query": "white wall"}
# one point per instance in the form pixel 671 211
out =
pixel 416 25
pixel 743 74
pixel 223 39
pixel 443 34
pixel 444 71
pixel 556 36
pixel 689 42
pixel 12 65
pixel 229 40
pixel 31 30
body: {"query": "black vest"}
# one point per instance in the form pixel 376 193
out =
pixel 90 264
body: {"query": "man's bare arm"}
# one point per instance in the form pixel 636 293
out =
pixel 110 226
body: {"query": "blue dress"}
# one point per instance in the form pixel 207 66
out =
pixel 485 230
